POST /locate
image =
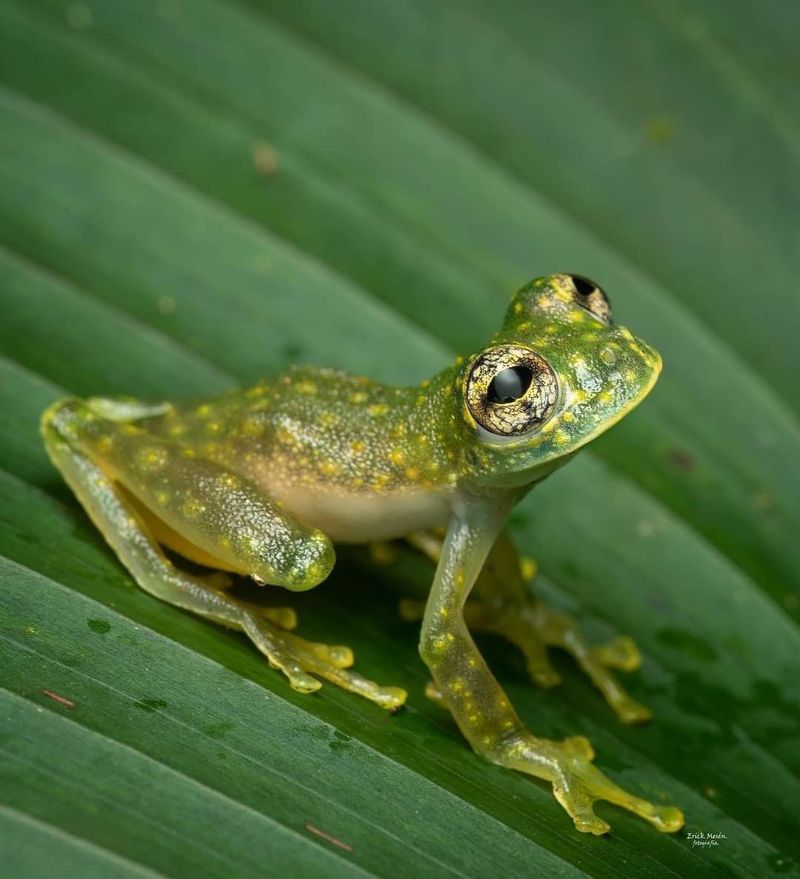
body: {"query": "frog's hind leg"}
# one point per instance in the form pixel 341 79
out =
pixel 505 607
pixel 97 457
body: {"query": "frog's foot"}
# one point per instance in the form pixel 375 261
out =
pixel 299 659
pixel 560 630
pixel 533 628
pixel 577 783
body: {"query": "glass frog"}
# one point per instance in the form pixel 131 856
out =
pixel 264 481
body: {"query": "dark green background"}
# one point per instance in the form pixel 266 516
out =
pixel 431 157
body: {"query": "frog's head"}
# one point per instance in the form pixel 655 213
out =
pixel 558 374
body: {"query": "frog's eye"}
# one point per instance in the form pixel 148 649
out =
pixel 510 390
pixel 591 297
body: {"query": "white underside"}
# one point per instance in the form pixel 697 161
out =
pixel 349 517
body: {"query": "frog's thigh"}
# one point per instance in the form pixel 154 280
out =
pixel 226 516
pixel 126 532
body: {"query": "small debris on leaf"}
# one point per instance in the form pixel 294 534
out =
pixel 331 839
pixel 62 700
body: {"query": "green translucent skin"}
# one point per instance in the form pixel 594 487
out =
pixel 264 481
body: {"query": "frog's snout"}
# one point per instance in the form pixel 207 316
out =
pixel 641 364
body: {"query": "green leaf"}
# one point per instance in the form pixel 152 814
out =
pixel 430 157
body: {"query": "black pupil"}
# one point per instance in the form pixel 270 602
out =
pixel 583 285
pixel 510 384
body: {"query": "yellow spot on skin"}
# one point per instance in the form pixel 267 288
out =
pixel 177 429
pixel 358 447
pixel 162 498
pixel 606 396
pixel 459 579
pixel 256 391
pixel 192 507
pixel 527 568
pixel 397 456
pixel 306 387
pixel 228 480
pixel 203 411
pixel 378 409
pixel 459 360
pixel 525 325
pixel 380 480
pixel 152 459
pixel 442 641
pixel 285 436
pixel 130 430
pixel 561 437
pixel 517 307
pixel 328 419
pixel 412 473
pixel 188 453
pixel 252 427
pixel 472 662
pixel 420 400
pixel 358 397
pixel 213 427
pixel 330 468
pixel 224 542
pixel 562 295
pixel 457 686
pixel 424 383
pixel 105 443
pixel 568 417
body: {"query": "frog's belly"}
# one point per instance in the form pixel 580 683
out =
pixel 349 517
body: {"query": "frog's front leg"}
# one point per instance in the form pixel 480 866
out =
pixel 130 483
pixel 478 704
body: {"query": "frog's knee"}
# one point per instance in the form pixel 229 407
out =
pixel 306 565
